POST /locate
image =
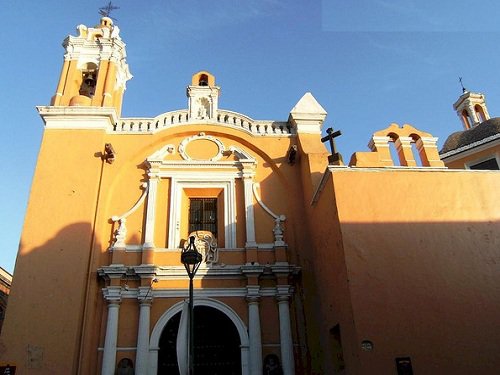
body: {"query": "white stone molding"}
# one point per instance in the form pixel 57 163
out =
pixel 379 142
pixel 201 136
pixel 162 153
pixel 88 118
pixel 185 174
pixel 426 143
pixel 278 219
pixel 242 154
pixel 287 358
pixel 228 311
pixel 121 231
pixel 200 182
pixel 159 293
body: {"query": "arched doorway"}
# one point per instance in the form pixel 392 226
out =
pixel 216 344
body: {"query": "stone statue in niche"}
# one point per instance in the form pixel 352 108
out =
pixel 206 244
pixel 203 108
pixel 125 367
pixel 272 365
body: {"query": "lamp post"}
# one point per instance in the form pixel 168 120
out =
pixel 191 259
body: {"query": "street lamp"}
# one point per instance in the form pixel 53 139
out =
pixel 191 259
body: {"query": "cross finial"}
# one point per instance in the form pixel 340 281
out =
pixel 335 158
pixel 106 11
pixel 462 84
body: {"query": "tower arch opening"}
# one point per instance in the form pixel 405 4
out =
pixel 88 80
pixel 466 119
pixel 481 116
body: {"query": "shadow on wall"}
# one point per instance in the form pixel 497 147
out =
pixel 43 322
pixel 415 289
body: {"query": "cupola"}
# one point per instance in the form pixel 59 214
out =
pixel 471 109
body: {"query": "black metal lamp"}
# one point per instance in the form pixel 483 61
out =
pixel 191 259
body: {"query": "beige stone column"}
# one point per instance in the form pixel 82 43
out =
pixel 142 353
pixel 254 330
pixel 286 342
pixel 113 296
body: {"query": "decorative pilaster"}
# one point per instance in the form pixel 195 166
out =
pixel 142 354
pixel 254 330
pixel 113 296
pixel 250 219
pixel 286 341
pixel 151 212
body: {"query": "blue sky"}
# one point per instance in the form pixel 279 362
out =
pixel 368 63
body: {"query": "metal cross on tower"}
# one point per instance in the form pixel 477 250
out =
pixel 106 11
pixel 462 84
pixel 335 158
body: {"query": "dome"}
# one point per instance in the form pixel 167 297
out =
pixel 484 130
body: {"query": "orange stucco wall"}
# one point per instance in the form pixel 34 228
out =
pixel 411 265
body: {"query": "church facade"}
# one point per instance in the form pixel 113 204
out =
pixel 309 266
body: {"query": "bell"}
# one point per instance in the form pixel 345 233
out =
pixel 90 79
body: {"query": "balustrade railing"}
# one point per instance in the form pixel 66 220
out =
pixel 226 118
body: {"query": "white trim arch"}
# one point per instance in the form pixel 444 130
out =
pixel 167 315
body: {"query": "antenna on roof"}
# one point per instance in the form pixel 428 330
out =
pixel 106 11
pixel 462 84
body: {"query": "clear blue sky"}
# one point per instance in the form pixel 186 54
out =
pixel 368 62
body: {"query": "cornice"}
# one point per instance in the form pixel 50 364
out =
pixel 66 117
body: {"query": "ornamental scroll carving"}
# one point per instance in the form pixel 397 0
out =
pixel 206 244
pixel 278 229
pixel 121 231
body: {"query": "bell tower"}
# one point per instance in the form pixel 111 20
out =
pixel 95 70
pixel 203 96
pixel 471 109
